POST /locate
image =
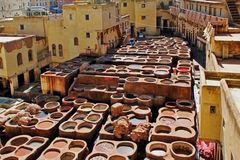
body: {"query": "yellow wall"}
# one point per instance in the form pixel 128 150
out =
pixel 150 12
pixel 209 122
pixel 11 67
pixel 63 30
pixel 32 25
pixel 230 126
pixel 210 95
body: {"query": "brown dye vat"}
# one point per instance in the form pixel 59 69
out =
pixel 184 113
pixel 11 158
pixel 52 154
pixel 163 129
pixel 166 81
pixel 182 83
pixel 19 141
pixel 67 156
pixel 45 124
pixel 22 151
pixel 168 112
pixel 60 144
pixel 7 150
pixel 76 146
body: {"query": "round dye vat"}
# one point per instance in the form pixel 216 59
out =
pixel 158 152
pixel 86 109
pixel 68 156
pixel 75 148
pixel 167 120
pixel 105 147
pixel 98 158
pixel 70 128
pixel 184 113
pixel 184 121
pixel 84 129
pixel 23 152
pixel 182 83
pixel 60 144
pixel 45 124
pixel 125 150
pixel 168 112
pixel 51 154
pixel 183 132
pixel 142 111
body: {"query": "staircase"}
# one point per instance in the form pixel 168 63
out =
pixel 234 11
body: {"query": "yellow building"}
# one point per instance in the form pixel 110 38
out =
pixel 149 17
pixel 85 28
pixel 20 61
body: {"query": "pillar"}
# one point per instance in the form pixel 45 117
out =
pixel 4 82
pixel 13 84
pixel 225 51
pixel 26 77
pixel 37 73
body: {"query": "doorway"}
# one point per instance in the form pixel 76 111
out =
pixel 31 76
pixel 20 80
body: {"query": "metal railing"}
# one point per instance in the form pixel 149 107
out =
pixel 198 17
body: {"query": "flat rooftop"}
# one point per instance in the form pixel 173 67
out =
pixel 228 37
pixel 229 65
pixel 4 39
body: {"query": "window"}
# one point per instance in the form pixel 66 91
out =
pixel 1 63
pixel 124 4
pixel 109 15
pixel 30 56
pixel 143 17
pixel 70 16
pixel 21 27
pixel 212 109
pixel 87 17
pixel 19 59
pixel 54 49
pixel 75 41
pixel 214 11
pixel 88 35
pixel 60 48
pixel 143 5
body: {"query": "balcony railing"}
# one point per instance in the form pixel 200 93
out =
pixel 197 17
pixel 163 6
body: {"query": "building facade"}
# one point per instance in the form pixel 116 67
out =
pixel 21 59
pixel 10 8
pixel 42 3
pixel 149 17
